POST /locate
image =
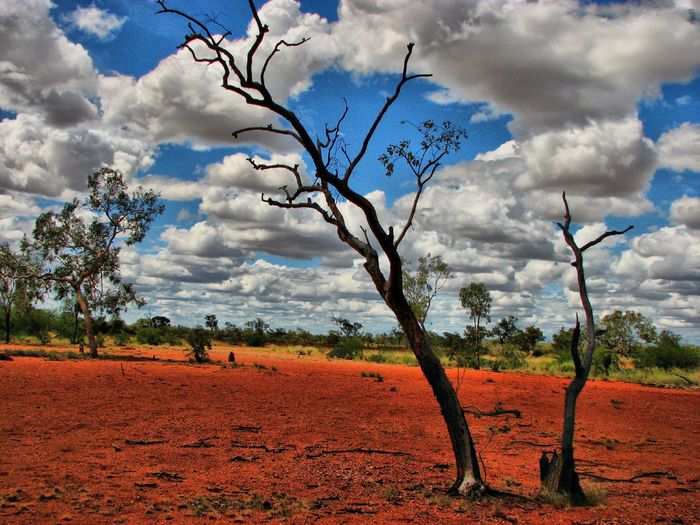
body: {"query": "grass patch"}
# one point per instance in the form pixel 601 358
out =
pixel 595 496
pixel 53 355
pixel 392 357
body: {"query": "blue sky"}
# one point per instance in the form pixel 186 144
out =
pixel 600 100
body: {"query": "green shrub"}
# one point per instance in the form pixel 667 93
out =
pixel 377 358
pixel 347 348
pixel 254 339
pixel 121 338
pixel 43 336
pixel 511 357
pixel 668 353
pixel 605 361
pixel 148 336
pixel 199 340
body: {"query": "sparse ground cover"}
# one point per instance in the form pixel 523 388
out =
pixel 292 437
pixel 545 363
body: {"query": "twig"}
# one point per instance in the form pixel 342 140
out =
pixel 246 428
pixel 497 411
pixel 145 441
pixel 533 444
pixel 200 443
pixel 359 450
pixel 633 479
pixel 259 446
pixel 689 381
pixel 168 476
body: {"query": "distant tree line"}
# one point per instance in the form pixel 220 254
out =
pixel 625 337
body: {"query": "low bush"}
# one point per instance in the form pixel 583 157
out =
pixel 199 340
pixel 149 336
pixel 605 361
pixel 509 358
pixel 121 338
pixel 254 339
pixel 377 358
pixel 666 354
pixel 347 348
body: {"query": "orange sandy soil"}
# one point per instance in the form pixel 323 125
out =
pixel 254 445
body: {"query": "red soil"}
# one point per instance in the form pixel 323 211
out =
pixel 265 446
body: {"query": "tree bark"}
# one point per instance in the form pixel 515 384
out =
pixel 468 479
pixel 76 309
pixel 558 474
pixel 8 321
pixel 87 319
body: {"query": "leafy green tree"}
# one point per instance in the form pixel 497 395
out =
pixel 421 287
pixel 79 250
pixel 160 321
pixel 476 300
pixel 256 332
pixel 668 353
pixel 347 328
pixel 18 287
pixel 505 329
pixel 211 322
pixel 199 340
pixel 626 332
pixel 349 345
pixel 526 340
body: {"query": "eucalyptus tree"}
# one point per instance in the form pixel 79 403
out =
pixel 423 285
pixel 334 168
pixel 79 246
pixel 559 472
pixel 17 286
pixel 476 300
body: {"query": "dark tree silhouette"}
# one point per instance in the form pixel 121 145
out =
pixel 558 473
pixel 334 166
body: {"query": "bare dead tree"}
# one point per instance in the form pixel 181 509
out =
pixel 332 184
pixel 558 473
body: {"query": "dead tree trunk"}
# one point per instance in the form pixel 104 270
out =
pixel 468 476
pixel 87 320
pixel 331 181
pixel 558 474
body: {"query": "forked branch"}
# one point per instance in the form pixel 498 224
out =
pixel 405 77
pixel 583 368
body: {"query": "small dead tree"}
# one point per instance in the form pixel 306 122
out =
pixel 558 473
pixel 334 167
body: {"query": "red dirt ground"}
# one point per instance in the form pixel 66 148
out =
pixel 256 445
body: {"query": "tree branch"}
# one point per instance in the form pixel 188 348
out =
pixel 269 129
pixel 603 236
pixel 387 104
pixel 274 51
pixel 309 204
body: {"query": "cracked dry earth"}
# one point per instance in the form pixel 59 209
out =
pixel 301 440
